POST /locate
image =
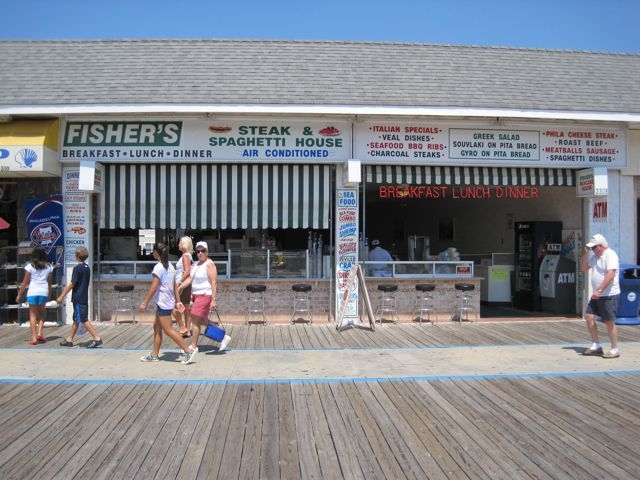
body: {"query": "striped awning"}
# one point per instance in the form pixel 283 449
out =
pixel 488 176
pixel 208 196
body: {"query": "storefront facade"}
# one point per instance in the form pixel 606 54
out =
pixel 262 175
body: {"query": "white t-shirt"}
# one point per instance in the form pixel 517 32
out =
pixel 165 296
pixel 39 284
pixel 599 267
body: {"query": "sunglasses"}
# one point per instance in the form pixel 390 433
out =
pixel 200 250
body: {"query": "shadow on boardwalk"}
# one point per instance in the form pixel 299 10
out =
pixel 570 425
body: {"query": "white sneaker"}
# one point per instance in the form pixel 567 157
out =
pixel 223 344
pixel 187 357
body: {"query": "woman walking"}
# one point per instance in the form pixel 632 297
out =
pixel 204 286
pixel 183 271
pixel 163 289
pixel 37 282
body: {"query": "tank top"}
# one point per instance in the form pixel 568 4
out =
pixel 200 284
pixel 180 267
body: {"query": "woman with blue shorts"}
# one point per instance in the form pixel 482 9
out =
pixel 37 283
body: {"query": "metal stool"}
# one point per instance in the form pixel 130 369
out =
pixel 256 303
pixel 124 301
pixel 464 301
pixel 387 302
pixel 301 304
pixel 425 304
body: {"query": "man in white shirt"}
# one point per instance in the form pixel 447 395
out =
pixel 603 265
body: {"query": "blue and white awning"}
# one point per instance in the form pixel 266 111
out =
pixel 207 196
pixel 488 176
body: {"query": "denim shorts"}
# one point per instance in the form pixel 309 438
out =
pixel 163 312
pixel 604 307
pixel 37 299
pixel 80 313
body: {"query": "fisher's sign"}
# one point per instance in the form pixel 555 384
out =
pixel 221 139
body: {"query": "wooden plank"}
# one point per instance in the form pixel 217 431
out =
pixel 389 448
pixel 232 450
pixel 288 444
pixel 324 442
pixel 250 463
pixel 344 443
pixel 305 438
pixel 270 442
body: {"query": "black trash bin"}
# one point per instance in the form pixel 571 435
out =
pixel 629 304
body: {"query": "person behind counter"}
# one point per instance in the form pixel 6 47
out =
pixel 379 254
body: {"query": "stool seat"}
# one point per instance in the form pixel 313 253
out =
pixel 387 287
pixel 256 288
pixel 301 287
pixel 123 288
pixel 425 287
pixel 464 287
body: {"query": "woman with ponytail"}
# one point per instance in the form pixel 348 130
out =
pixel 163 290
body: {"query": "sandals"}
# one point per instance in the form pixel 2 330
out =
pixel 41 339
pixel 94 343
pixel 66 343
pixel 186 334
pixel 33 342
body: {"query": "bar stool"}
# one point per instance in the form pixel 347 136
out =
pixel 124 301
pixel 301 304
pixel 387 302
pixel 464 301
pixel 256 303
pixel 425 304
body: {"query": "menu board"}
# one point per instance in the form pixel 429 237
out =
pixel 456 143
pixel 346 253
pixel 77 215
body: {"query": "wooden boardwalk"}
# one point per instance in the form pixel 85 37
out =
pixel 553 427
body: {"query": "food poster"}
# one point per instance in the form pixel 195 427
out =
pixel 346 255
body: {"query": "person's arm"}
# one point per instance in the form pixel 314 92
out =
pixel 152 291
pixel 64 293
pixel 49 282
pixel 186 265
pixel 584 261
pixel 212 274
pixel 23 285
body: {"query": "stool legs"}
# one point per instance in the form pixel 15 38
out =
pixel 124 304
pixel 387 306
pixel 301 306
pixel 425 307
pixel 465 307
pixel 255 307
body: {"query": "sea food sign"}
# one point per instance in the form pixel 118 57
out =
pixel 228 140
pixel 592 182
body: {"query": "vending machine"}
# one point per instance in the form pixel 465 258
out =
pixel 531 243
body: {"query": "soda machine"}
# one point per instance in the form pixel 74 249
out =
pixel 531 243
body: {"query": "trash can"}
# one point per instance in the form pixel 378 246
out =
pixel 629 304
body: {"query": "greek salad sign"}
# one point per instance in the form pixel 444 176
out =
pixel 221 139
pixel 477 144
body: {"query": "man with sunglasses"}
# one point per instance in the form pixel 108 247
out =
pixel 603 265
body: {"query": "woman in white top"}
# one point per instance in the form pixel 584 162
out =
pixel 163 290
pixel 204 286
pixel 183 271
pixel 37 282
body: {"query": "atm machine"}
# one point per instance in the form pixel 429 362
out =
pixel 557 281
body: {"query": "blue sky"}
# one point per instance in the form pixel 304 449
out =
pixel 608 26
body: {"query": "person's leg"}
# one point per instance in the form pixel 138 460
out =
pixel 91 329
pixel 178 316
pixel 72 332
pixel 590 318
pixel 157 336
pixel 165 322
pixel 612 330
pixel 41 313
pixel 33 320
pixel 187 318
pixel 196 323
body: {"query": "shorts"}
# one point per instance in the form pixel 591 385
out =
pixel 163 312
pixel 37 299
pixel 604 307
pixel 185 296
pixel 201 305
pixel 80 313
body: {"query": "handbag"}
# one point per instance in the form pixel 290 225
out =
pixel 215 332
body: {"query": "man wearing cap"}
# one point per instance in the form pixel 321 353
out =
pixel 379 254
pixel 604 265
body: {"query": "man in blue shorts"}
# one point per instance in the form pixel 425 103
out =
pixel 79 283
